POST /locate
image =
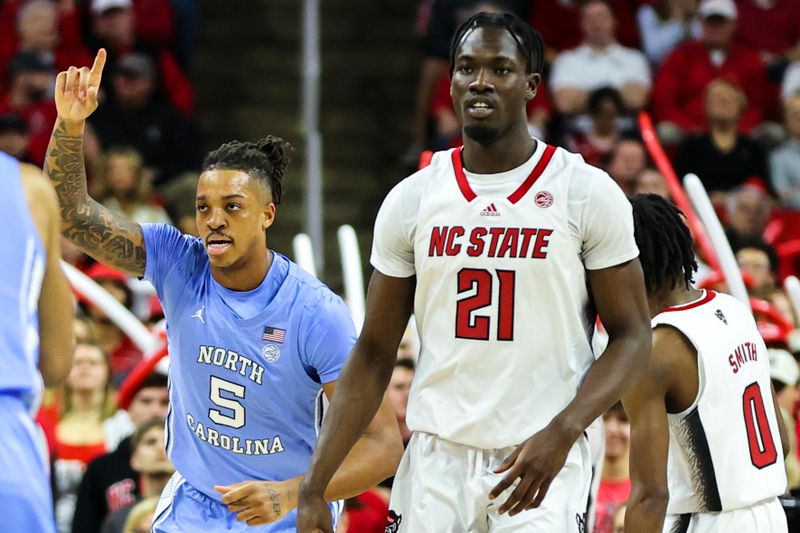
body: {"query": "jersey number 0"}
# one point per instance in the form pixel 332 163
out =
pixel 476 327
pixel 759 437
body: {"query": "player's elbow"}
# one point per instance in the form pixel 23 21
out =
pixel 391 443
pixel 650 503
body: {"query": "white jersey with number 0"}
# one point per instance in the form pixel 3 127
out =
pixel 725 450
pixel 502 302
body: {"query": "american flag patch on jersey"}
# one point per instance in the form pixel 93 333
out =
pixel 273 334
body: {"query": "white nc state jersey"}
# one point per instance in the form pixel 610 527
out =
pixel 502 304
pixel 725 449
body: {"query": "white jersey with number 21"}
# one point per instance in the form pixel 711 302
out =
pixel 502 300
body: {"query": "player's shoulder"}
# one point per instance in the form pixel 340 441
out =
pixel 316 294
pixel 580 172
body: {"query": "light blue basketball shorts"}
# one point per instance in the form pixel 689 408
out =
pixel 184 509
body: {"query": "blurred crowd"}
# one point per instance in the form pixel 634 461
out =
pixel 720 79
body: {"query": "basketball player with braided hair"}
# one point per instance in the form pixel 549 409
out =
pixel 706 434
pixel 254 341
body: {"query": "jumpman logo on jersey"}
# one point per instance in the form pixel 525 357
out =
pixel 199 314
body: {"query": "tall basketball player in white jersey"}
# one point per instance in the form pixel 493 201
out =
pixel 505 248
pixel 705 431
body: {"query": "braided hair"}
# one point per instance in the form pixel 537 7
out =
pixel 665 243
pixel 265 161
pixel 528 40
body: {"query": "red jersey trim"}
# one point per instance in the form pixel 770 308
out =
pixel 516 196
pixel 697 303
pixel 461 178
pixel 537 171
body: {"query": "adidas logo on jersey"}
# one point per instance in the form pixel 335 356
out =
pixel 490 211
pixel 719 315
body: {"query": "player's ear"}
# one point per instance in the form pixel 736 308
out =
pixel 268 215
pixel 533 85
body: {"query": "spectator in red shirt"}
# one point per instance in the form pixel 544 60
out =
pixel 31 82
pixel 123 354
pixel 680 87
pixel 37 27
pixel 114 28
pixel 615 485
pixel 50 29
pixel 772 27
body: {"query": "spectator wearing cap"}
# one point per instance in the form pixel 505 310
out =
pixel 599 62
pixel 29 94
pixel 123 353
pixel 114 25
pixel 723 158
pixel 679 102
pixel 110 482
pixel 149 459
pixel 136 116
pixel 14 136
pixel 784 372
pixel 784 161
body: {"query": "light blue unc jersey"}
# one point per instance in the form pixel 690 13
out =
pixel 245 393
pixel 23 259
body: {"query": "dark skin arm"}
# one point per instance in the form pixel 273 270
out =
pixel 360 388
pixel 781 425
pixel 672 361
pixel 109 238
pixel 374 457
pixel 621 303
pixel 56 305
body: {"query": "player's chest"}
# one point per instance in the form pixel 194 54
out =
pixel 533 230
pixel 208 341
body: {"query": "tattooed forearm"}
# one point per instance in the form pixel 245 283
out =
pixel 100 233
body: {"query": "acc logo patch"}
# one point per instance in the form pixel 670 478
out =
pixel 543 199
pixel 271 353
pixel 394 522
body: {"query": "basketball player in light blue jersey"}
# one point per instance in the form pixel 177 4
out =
pixel 36 341
pixel 254 340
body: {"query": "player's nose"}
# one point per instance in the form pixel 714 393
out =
pixel 482 81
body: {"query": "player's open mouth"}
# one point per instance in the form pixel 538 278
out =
pixel 217 245
pixel 479 108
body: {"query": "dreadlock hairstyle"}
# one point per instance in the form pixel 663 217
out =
pixel 528 40
pixel 265 161
pixel 664 241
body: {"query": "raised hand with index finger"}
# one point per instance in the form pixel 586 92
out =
pixel 77 88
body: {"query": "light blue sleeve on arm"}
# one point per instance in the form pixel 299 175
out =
pixel 328 337
pixel 165 248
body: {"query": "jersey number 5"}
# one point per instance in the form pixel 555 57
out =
pixel 231 407
pixel 759 437
pixel 476 327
